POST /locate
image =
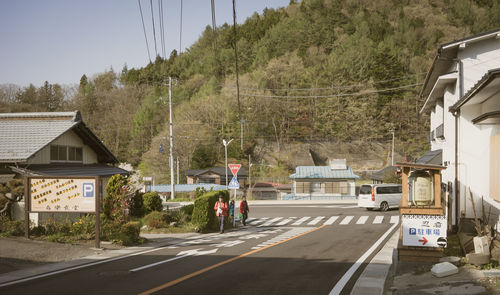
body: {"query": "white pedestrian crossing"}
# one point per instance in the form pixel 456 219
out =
pixel 378 219
pixel 271 221
pixel 331 220
pixel 346 220
pixel 285 221
pixel 316 220
pixel 320 220
pixel 301 220
pixel 362 220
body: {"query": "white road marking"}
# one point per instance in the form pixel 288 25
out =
pixel 362 220
pixel 269 222
pixel 283 222
pixel 227 244
pixel 347 276
pixel 259 220
pixel 331 220
pixel 182 254
pixel 378 219
pixel 301 220
pixel 316 220
pixel 394 219
pixel 346 220
pixel 250 220
pixel 289 234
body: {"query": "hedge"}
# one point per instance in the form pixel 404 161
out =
pixel 203 213
pixel 152 202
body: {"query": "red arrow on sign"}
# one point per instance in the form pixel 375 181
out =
pixel 234 168
pixel 424 240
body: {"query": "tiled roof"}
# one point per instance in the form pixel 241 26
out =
pixel 186 188
pixel 22 135
pixel 322 172
pixel 217 170
pixel 70 170
pixel 431 157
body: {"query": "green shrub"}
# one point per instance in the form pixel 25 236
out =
pixel 57 225
pixel 187 210
pixel 157 219
pixel 109 229
pixel 152 202
pixel 203 213
pixel 37 231
pixel 136 205
pixel 129 233
pixel 11 227
pixel 84 227
pixel 118 195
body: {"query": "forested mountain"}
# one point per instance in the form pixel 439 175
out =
pixel 334 71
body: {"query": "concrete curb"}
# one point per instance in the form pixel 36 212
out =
pixel 372 280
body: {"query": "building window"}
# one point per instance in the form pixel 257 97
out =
pixel 316 187
pixel 66 153
pixel 302 187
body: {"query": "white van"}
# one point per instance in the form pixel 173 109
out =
pixel 379 196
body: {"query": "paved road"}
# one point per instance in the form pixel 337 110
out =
pixel 290 249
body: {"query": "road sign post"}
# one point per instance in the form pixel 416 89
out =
pixel 234 185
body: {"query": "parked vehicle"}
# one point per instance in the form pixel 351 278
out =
pixel 379 196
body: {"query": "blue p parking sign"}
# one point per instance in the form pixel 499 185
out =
pixel 88 190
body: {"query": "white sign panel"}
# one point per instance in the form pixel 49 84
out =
pixel 424 230
pixel 234 184
pixel 62 194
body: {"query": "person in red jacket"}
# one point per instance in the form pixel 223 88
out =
pixel 244 210
pixel 221 212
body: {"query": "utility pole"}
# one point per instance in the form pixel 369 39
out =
pixel 226 143
pixel 177 170
pixel 237 74
pixel 172 195
pixel 392 153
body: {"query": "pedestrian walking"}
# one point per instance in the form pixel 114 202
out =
pixel 231 209
pixel 221 209
pixel 244 210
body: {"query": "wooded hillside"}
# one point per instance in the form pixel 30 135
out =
pixel 318 71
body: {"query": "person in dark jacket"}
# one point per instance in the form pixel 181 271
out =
pixel 244 210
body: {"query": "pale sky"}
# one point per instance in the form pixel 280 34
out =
pixel 60 40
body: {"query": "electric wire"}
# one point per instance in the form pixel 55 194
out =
pixel 180 31
pixel 153 20
pixel 144 29
pixel 214 30
pixel 160 17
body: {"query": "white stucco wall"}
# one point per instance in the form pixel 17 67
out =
pixel 69 139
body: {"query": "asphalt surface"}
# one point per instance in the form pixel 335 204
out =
pixel 274 254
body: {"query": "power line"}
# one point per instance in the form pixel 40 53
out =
pixel 328 88
pixel 332 95
pixel 162 27
pixel 144 29
pixel 180 32
pixel 153 20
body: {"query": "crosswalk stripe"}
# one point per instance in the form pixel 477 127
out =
pixel 316 220
pixel 394 219
pixel 269 222
pixel 331 220
pixel 250 219
pixel 259 220
pixel 346 220
pixel 362 220
pixel 283 222
pixel 378 219
pixel 298 222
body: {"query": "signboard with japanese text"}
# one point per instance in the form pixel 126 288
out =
pixel 424 230
pixel 62 194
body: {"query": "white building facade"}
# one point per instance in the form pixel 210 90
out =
pixel 462 96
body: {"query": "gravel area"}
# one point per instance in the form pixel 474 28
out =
pixel 19 253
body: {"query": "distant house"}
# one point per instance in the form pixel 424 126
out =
pixel 52 144
pixel 381 175
pixel 215 175
pixel 462 97
pixel 264 191
pixel 336 181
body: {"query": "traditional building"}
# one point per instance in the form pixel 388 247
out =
pixel 462 96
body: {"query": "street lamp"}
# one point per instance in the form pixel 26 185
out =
pixel 226 143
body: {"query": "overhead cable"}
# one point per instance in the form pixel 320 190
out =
pixel 153 20
pixel 144 29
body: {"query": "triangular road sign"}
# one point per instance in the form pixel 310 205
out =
pixel 234 168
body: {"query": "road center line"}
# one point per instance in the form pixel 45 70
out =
pixel 347 276
pixel 196 273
